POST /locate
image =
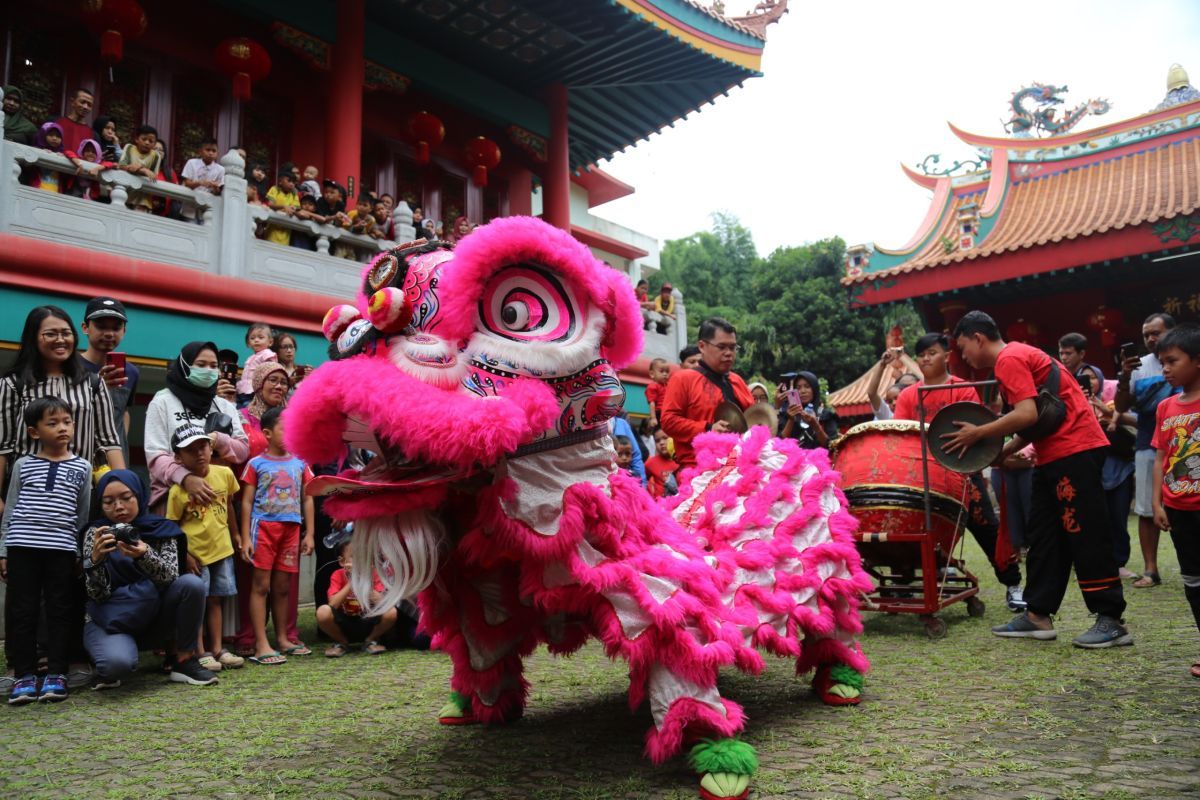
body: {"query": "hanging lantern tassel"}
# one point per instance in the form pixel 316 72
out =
pixel 114 21
pixel 244 61
pixel 482 155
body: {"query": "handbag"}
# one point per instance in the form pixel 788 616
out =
pixel 131 608
pixel 1051 410
pixel 220 422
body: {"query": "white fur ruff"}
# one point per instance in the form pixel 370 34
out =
pixel 543 359
pixel 402 550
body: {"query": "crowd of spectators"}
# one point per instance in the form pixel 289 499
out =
pixel 151 559
pixel 299 194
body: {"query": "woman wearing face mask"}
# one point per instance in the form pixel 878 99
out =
pixel 191 397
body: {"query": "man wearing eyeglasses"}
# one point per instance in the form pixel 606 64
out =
pixel 693 395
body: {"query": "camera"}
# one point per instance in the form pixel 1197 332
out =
pixel 124 532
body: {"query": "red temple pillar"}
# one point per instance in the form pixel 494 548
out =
pixel 556 208
pixel 344 123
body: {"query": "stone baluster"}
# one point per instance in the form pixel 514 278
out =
pixel 323 244
pixel 679 326
pixel 10 173
pixel 122 183
pixel 235 212
pixel 402 223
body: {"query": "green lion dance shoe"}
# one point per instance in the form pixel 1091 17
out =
pixel 725 767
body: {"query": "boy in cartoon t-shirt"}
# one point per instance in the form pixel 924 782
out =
pixel 275 506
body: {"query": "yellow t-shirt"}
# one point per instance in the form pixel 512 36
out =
pixel 275 233
pixel 207 527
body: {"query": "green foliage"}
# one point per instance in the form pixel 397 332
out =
pixel 789 308
pixel 724 755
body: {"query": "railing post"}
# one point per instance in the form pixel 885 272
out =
pixel 402 223
pixel 233 251
pixel 681 327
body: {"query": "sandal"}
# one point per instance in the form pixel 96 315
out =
pixel 373 648
pixel 1147 581
pixel 210 663
pixel 298 650
pixel 335 650
pixel 230 661
pixel 268 659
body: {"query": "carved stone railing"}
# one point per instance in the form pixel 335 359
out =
pixel 223 243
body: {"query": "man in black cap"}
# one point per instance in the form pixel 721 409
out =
pixel 17 127
pixel 104 323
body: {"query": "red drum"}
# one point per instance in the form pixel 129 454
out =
pixel 882 478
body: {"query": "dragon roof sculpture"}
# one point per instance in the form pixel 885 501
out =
pixel 1034 111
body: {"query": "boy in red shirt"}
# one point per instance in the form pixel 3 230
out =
pixel 1068 524
pixel 660 467
pixel 342 618
pixel 933 353
pixel 1176 498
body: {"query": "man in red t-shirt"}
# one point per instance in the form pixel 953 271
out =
pixel 1068 524
pixel 74 125
pixel 933 353
pixel 690 406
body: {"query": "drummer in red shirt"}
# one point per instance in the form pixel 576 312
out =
pixel 933 353
pixel 690 406
pixel 1068 524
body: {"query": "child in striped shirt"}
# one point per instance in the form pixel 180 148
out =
pixel 49 499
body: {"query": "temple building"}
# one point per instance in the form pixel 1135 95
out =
pixel 1052 230
pixel 469 109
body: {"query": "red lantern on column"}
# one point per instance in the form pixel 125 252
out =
pixel 244 60
pixel 1108 338
pixel 1021 331
pixel 426 132
pixel 482 155
pixel 114 21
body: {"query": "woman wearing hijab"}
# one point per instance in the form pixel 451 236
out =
pixel 808 421
pixel 191 398
pixel 106 135
pixel 270 384
pixel 131 564
pixel 17 127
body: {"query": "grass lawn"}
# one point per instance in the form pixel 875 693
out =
pixel 968 716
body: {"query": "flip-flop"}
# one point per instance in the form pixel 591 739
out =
pixel 1152 577
pixel 298 650
pixel 268 660
pixel 335 650
pixel 370 648
pixel 1196 670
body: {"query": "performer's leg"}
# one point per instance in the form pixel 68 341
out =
pixel 1085 526
pixel 983 525
pixel 1048 563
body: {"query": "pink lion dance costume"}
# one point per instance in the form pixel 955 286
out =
pixel 482 380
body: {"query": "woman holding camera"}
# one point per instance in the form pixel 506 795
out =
pixel 808 421
pixel 131 564
pixel 196 394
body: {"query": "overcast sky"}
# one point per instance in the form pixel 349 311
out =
pixel 852 88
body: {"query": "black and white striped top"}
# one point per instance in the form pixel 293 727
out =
pixel 48 502
pixel 91 406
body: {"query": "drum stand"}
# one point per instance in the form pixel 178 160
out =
pixel 944 578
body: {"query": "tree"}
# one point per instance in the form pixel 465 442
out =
pixel 790 310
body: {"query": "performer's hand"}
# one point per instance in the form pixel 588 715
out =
pixel 720 426
pixel 962 439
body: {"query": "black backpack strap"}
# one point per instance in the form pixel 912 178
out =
pixel 1054 380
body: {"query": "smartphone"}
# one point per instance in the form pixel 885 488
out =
pixel 229 371
pixel 115 359
pixel 793 397
pixel 1085 383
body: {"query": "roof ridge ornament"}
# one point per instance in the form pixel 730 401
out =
pixel 1034 111
pixel 764 14
pixel 1179 89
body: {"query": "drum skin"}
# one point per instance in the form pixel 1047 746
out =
pixel 880 464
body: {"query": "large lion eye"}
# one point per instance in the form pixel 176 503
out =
pixel 527 303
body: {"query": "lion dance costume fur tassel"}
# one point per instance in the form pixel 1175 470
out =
pixel 473 390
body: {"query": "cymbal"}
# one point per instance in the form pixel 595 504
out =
pixel 732 415
pixel 978 455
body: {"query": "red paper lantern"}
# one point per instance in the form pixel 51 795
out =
pixel 1108 338
pixel 244 60
pixel 426 132
pixel 482 155
pixel 113 21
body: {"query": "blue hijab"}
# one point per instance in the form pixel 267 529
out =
pixel 149 526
